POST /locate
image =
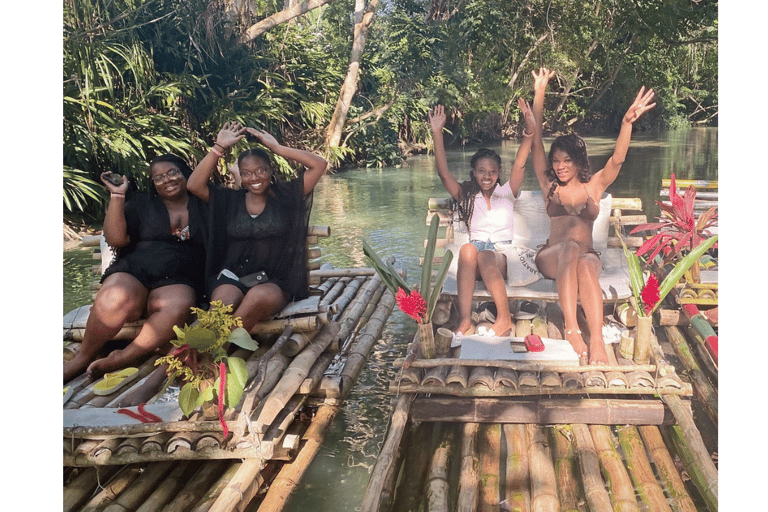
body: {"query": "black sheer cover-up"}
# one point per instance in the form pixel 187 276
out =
pixel 273 241
pixel 154 255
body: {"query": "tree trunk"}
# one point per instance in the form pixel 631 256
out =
pixel 363 22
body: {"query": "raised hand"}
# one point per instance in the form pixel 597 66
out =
pixel 114 189
pixel 265 138
pixel 639 106
pixel 541 79
pixel 230 134
pixel 437 118
pixel 530 119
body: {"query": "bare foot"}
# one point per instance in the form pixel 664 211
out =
pixel 112 362
pixel 597 354
pixel 464 326
pixel 502 328
pixel 577 342
pixel 74 367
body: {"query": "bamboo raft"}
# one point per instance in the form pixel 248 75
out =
pixel 296 386
pixel 511 435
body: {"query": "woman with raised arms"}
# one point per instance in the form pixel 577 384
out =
pixel 486 206
pixel 572 194
pixel 256 256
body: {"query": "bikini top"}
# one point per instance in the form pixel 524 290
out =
pixel 588 212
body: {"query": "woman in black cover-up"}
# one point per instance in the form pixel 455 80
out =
pixel 158 267
pixel 256 256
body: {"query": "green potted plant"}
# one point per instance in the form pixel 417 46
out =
pixel 211 379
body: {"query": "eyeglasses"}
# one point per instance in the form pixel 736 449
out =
pixel 162 178
pixel 258 172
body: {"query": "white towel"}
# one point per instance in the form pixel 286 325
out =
pixel 499 348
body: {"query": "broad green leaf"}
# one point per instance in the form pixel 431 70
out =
pixel 199 338
pixel 236 379
pixel 188 396
pixel 242 339
pixel 674 276
pixel 208 394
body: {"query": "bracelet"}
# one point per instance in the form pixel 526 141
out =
pixel 222 147
pixel 217 152
pixel 115 194
pixel 527 134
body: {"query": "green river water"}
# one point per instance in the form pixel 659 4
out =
pixel 388 208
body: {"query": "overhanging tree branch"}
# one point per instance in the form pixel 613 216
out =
pixel 268 23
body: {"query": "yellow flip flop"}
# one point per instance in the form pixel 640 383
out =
pixel 114 381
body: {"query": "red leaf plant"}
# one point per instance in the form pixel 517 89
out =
pixel 678 228
pixel 650 294
pixel 412 304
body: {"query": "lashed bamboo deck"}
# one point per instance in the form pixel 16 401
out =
pixel 295 388
pixel 493 435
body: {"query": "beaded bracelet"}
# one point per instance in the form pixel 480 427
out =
pixel 217 152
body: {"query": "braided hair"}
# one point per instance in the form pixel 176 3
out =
pixel 575 147
pixel 466 204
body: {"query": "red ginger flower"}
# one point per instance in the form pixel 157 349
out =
pixel 412 305
pixel 650 293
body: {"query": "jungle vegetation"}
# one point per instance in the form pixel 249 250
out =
pixel 354 79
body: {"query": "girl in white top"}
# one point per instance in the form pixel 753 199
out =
pixel 486 206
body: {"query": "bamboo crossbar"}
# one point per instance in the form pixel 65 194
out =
pixel 522 365
pixel 396 387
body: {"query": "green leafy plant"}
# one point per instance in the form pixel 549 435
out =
pixel 200 360
pixel 418 304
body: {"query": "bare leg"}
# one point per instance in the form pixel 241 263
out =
pixel 261 301
pixel 465 285
pixel 167 306
pixel 493 270
pixel 120 299
pixel 229 294
pixel 560 262
pixel 591 295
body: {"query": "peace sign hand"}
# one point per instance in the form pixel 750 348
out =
pixel 639 106
pixel 530 119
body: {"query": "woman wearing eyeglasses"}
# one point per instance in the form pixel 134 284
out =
pixel 256 256
pixel 159 246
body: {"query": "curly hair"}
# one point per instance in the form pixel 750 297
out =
pixel 466 204
pixel 575 147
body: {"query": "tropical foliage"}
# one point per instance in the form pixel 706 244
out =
pixel 144 77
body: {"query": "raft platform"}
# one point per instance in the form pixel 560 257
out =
pixel 308 360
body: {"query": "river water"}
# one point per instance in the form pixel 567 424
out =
pixel 388 208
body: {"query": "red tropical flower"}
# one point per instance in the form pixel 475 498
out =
pixel 650 293
pixel 412 305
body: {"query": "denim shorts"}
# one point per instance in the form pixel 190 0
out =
pixel 489 246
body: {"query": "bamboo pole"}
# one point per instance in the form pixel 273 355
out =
pixel 247 474
pixel 215 491
pixel 665 466
pixel 693 453
pixel 293 376
pixel 468 476
pixel 291 473
pixel 438 488
pixel 489 496
pixel 589 465
pixel 84 485
pixel 639 467
pixel 706 395
pixel 122 480
pixel 565 467
pixel 387 466
pixel 296 342
pixel 204 477
pixel 167 488
pixel 620 485
pixel 408 496
pixel 517 483
pixel 543 481
pixel 520 365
